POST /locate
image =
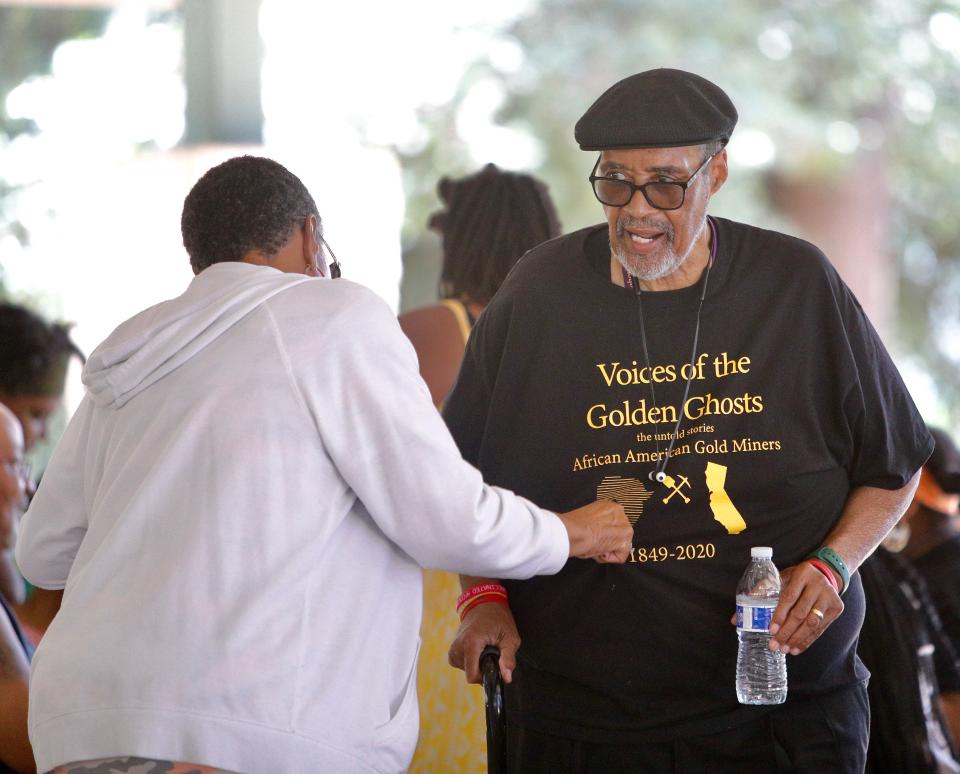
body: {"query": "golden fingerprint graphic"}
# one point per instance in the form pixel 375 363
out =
pixel 628 492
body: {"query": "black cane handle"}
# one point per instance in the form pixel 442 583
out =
pixel 496 710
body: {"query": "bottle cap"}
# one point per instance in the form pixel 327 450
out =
pixel 761 552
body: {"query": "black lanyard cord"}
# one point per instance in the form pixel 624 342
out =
pixel 659 472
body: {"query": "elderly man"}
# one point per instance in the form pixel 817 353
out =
pixel 722 383
pixel 15 752
pixel 238 510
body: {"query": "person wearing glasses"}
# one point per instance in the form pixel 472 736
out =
pixel 724 385
pixel 34 357
pixel 240 508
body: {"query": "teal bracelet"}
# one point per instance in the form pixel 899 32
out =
pixel 832 558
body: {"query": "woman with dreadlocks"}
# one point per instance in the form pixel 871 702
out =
pixel 915 684
pixel 488 221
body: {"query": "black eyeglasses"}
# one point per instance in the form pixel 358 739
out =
pixel 335 264
pixel 615 192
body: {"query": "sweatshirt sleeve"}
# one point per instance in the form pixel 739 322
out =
pixel 56 522
pixel 391 446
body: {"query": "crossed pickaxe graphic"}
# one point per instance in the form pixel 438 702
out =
pixel 669 481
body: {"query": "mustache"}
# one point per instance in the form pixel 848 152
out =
pixel 628 221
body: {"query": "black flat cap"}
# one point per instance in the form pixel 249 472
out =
pixel 657 109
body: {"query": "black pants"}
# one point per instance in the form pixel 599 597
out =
pixel 823 735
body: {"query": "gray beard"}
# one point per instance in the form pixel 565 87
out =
pixel 669 261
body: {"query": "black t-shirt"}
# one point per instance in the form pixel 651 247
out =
pixel 793 401
pixel 911 663
pixel 940 568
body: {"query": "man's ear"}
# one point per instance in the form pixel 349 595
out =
pixel 718 171
pixel 311 240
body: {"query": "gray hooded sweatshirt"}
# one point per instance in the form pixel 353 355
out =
pixel 238 512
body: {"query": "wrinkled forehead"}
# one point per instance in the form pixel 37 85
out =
pixel 677 160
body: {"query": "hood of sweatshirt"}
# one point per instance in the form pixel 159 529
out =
pixel 159 339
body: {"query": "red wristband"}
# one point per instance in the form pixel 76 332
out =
pixel 480 588
pixel 828 573
pixel 482 592
pixel 477 601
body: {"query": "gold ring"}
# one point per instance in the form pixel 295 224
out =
pixel 818 614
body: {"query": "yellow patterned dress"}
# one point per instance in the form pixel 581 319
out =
pixel 452 719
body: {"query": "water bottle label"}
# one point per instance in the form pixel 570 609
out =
pixel 754 619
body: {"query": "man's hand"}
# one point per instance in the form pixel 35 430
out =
pixel 599 531
pixel 488 624
pixel 795 625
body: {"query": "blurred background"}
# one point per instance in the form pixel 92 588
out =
pixel 849 136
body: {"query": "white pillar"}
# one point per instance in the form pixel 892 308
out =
pixel 223 57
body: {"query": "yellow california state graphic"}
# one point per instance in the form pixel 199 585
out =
pixel 628 492
pixel 723 508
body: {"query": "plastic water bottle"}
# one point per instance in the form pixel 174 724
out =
pixel 761 672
